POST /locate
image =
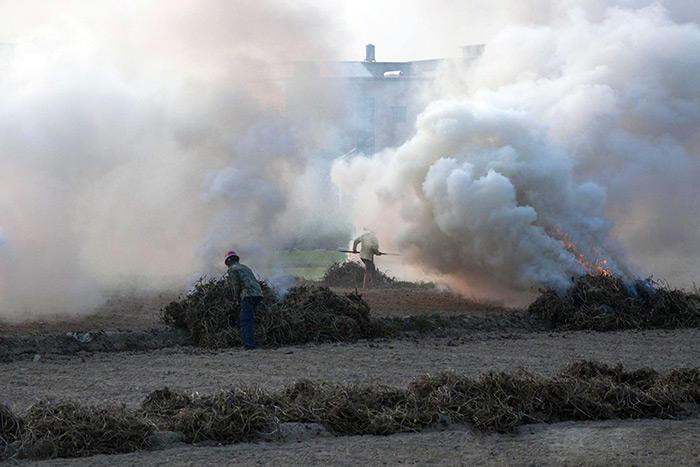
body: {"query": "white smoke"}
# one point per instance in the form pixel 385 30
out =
pixel 130 141
pixel 146 139
pixel 583 131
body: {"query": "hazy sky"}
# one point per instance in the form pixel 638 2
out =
pixel 401 30
pixel 404 30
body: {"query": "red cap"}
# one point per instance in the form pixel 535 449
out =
pixel 230 255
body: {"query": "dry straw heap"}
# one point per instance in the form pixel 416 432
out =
pixel 604 302
pixel 68 429
pixel 314 313
pixel 494 402
pixel 309 313
pixel 306 314
pixel 230 416
pixel 351 274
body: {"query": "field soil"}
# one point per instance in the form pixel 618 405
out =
pixel 36 366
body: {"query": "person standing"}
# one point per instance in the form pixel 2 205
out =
pixel 369 248
pixel 247 290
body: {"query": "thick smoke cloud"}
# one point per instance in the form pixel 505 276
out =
pixel 137 137
pixel 142 139
pixel 569 141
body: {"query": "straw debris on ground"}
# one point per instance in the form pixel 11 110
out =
pixel 230 416
pixel 71 430
pixel 605 302
pixel 494 402
pixel 11 427
pixel 353 409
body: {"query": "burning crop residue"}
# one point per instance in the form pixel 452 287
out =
pixel 547 134
pixel 596 265
pixel 605 302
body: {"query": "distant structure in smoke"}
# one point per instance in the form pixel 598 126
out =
pixel 377 102
pixel 369 53
pixel 472 52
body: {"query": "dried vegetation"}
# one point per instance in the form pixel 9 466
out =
pixel 313 313
pixel 494 402
pixel 350 274
pixel 604 302
pixel 305 314
pixel 72 430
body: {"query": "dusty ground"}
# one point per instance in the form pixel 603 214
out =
pixel 110 378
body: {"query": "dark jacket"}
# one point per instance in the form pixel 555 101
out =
pixel 243 282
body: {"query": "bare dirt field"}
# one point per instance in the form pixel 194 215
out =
pixel 126 377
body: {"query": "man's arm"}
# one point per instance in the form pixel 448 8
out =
pixel 234 285
pixel 354 244
pixel 375 246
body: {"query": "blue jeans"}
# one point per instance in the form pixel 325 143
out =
pixel 245 318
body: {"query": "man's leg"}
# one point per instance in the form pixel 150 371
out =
pixel 248 305
pixel 368 278
pixel 366 273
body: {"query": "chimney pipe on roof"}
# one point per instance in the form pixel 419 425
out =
pixel 369 53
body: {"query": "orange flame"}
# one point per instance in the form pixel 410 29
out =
pixel 598 266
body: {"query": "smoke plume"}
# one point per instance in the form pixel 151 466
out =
pixel 137 138
pixel 143 140
pixel 566 146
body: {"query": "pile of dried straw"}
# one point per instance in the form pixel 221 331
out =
pixel 71 430
pixel 605 302
pixel 306 314
pixel 230 416
pixel 350 274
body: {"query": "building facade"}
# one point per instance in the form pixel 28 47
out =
pixel 371 105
